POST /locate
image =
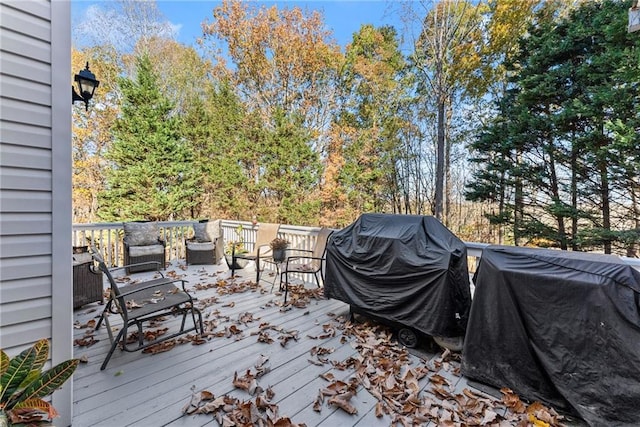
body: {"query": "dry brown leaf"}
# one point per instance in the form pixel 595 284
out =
pixel 342 402
pixel 390 382
pixel 469 393
pixel 206 395
pixel 132 304
pixel 410 379
pixel 246 382
pixel 85 342
pixel 445 416
pixel 194 403
pixel 286 336
pixel 440 392
pixel 262 402
pixel 328 376
pixel 434 412
pixel 285 422
pixel 438 379
pixel 234 330
pixel 512 401
pixel 160 347
pixel 317 404
pixel 379 411
pixel 540 414
pixel 198 341
pixel 489 417
pixel 264 337
pixel 269 393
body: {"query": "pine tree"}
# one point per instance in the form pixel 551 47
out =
pixel 152 176
pixel 576 80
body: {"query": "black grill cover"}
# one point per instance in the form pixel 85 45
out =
pixel 404 269
pixel 560 327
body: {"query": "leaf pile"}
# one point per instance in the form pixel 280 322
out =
pixel 420 394
pixel 340 394
pixel 300 297
pixel 235 287
pixel 284 337
pixel 230 411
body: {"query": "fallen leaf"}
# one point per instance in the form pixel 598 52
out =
pixel 342 402
pixel 328 376
pixel 379 411
pixel 489 417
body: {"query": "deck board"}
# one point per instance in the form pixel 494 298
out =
pixel 142 389
pixel 139 389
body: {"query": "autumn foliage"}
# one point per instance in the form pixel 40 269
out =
pixel 277 121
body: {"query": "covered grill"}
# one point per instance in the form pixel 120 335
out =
pixel 561 327
pixel 406 270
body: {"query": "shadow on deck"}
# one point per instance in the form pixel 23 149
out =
pixel 310 351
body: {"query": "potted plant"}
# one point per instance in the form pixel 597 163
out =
pixel 279 247
pixel 23 385
pixel 236 247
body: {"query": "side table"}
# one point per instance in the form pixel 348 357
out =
pixel 278 276
pixel 87 282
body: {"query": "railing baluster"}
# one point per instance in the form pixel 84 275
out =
pixel 108 237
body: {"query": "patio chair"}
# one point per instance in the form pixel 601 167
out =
pixel 142 245
pixel 261 249
pixel 312 263
pixel 206 246
pixel 143 302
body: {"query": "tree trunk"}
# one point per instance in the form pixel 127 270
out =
pixel 606 208
pixel 555 193
pixel 501 211
pixel 632 248
pixel 574 199
pixel 447 214
pixel 439 190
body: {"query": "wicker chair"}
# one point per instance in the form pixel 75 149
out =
pixel 206 246
pixel 87 281
pixel 142 245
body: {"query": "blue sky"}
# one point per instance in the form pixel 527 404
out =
pixel 343 17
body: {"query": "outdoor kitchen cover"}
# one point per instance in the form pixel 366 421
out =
pixel 560 327
pixel 405 269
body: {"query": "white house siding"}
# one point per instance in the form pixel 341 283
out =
pixel 35 181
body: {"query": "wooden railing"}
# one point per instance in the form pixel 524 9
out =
pixel 107 237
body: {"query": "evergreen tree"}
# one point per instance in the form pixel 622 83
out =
pixel 151 176
pixel 576 80
pixel 214 125
pixel 290 172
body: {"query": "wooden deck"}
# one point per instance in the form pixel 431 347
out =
pixel 140 389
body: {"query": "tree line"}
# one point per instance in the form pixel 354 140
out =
pixel 511 121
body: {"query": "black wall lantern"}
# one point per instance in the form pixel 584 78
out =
pixel 87 84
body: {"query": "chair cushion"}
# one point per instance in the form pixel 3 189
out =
pixel 136 251
pixel 214 229
pixel 206 231
pixel 82 258
pixel 141 233
pixel 200 232
pixel 200 246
